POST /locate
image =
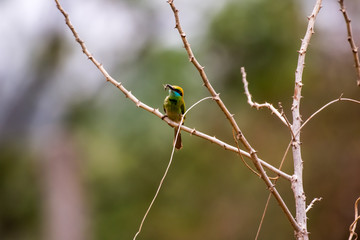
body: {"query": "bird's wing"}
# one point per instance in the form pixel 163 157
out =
pixel 165 101
pixel 182 108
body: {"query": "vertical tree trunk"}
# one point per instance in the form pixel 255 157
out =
pixel 64 208
pixel 297 182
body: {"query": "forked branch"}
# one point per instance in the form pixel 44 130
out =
pixel 297 184
pixel 194 61
pixel 262 105
pixel 154 111
pixel 230 117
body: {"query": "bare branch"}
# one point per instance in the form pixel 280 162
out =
pixel 246 164
pixel 229 147
pixel 230 117
pixel 297 184
pixel 263 217
pixel 351 40
pixel 159 187
pixel 312 203
pixel 268 199
pixel 200 68
pixel 354 223
pixel 107 76
pixel 280 115
pixel 257 105
pixel 167 168
pixel 154 111
pixel 327 105
pixel 287 120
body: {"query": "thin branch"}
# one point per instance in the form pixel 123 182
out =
pixel 167 168
pixel 229 147
pixel 200 68
pixel 107 76
pixel 246 164
pixel 297 184
pixel 354 223
pixel 288 124
pixel 351 40
pixel 314 114
pixel 312 203
pixel 154 111
pixel 252 154
pixel 257 105
pixel 230 117
pixel 159 187
pixel 268 199
pixel 279 114
pixel 352 229
pixel 263 216
pixel 322 108
pixel 327 105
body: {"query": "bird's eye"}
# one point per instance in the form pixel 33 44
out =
pixel 179 92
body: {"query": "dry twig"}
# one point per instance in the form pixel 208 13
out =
pixel 246 164
pixel 167 168
pixel 154 111
pixel 280 115
pixel 325 106
pixel 354 223
pixel 350 38
pixel 257 105
pixel 297 183
pixel 268 199
pixel 231 119
pixel 312 203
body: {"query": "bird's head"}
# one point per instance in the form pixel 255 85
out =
pixel 174 91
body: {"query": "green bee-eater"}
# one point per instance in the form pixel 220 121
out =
pixel 174 107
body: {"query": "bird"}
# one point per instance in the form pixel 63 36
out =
pixel 174 108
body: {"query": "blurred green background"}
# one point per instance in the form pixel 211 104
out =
pixel 79 161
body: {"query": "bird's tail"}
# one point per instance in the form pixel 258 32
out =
pixel 178 144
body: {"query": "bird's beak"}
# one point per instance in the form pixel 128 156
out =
pixel 168 86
